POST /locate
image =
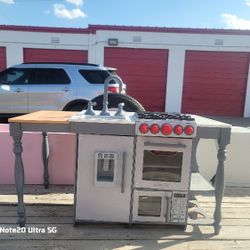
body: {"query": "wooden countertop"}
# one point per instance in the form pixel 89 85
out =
pixel 62 117
pixel 44 117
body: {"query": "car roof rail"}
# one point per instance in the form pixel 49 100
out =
pixel 83 64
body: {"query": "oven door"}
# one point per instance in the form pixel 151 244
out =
pixel 163 163
pixel 151 206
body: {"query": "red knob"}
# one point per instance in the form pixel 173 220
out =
pixel 154 129
pixel 189 130
pixel 144 128
pixel 166 129
pixel 178 129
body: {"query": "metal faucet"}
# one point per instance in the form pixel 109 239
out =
pixel 104 111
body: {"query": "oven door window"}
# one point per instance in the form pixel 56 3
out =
pixel 164 166
pixel 149 206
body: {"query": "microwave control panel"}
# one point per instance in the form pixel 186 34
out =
pixel 178 212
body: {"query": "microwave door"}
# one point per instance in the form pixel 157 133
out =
pixel 149 206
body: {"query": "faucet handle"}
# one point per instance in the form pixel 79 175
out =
pixel 120 111
pixel 90 110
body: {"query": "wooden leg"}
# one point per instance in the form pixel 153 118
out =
pixel 16 133
pixel 45 153
pixel 219 186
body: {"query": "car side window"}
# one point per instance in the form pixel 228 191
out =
pixel 49 76
pixel 94 76
pixel 13 76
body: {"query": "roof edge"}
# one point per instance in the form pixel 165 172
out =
pixel 44 29
pixel 93 28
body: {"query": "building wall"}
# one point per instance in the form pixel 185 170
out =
pixel 16 41
pixel 177 42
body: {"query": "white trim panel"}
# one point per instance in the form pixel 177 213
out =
pixel 176 61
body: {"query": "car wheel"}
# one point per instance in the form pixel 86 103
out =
pixel 131 104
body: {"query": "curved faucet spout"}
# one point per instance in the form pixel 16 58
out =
pixel 104 111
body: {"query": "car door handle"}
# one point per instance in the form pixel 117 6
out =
pixel 66 89
pixel 18 90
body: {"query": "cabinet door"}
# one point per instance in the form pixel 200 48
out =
pixel 103 183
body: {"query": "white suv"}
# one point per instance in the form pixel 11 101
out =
pixel 29 87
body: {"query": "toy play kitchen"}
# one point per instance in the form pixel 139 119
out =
pixel 137 170
pixel 131 167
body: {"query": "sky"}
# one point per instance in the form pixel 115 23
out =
pixel 223 14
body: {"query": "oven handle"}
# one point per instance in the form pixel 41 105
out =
pixel 152 144
pixel 123 172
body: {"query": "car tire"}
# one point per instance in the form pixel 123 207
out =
pixel 76 107
pixel 131 104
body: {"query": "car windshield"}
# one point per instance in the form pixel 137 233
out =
pixel 14 76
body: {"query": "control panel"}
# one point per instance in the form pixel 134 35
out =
pixel 178 212
pixel 105 168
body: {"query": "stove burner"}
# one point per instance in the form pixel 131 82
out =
pixel 164 116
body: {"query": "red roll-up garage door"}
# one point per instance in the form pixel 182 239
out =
pixel 55 55
pixel 2 58
pixel 215 83
pixel 144 71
